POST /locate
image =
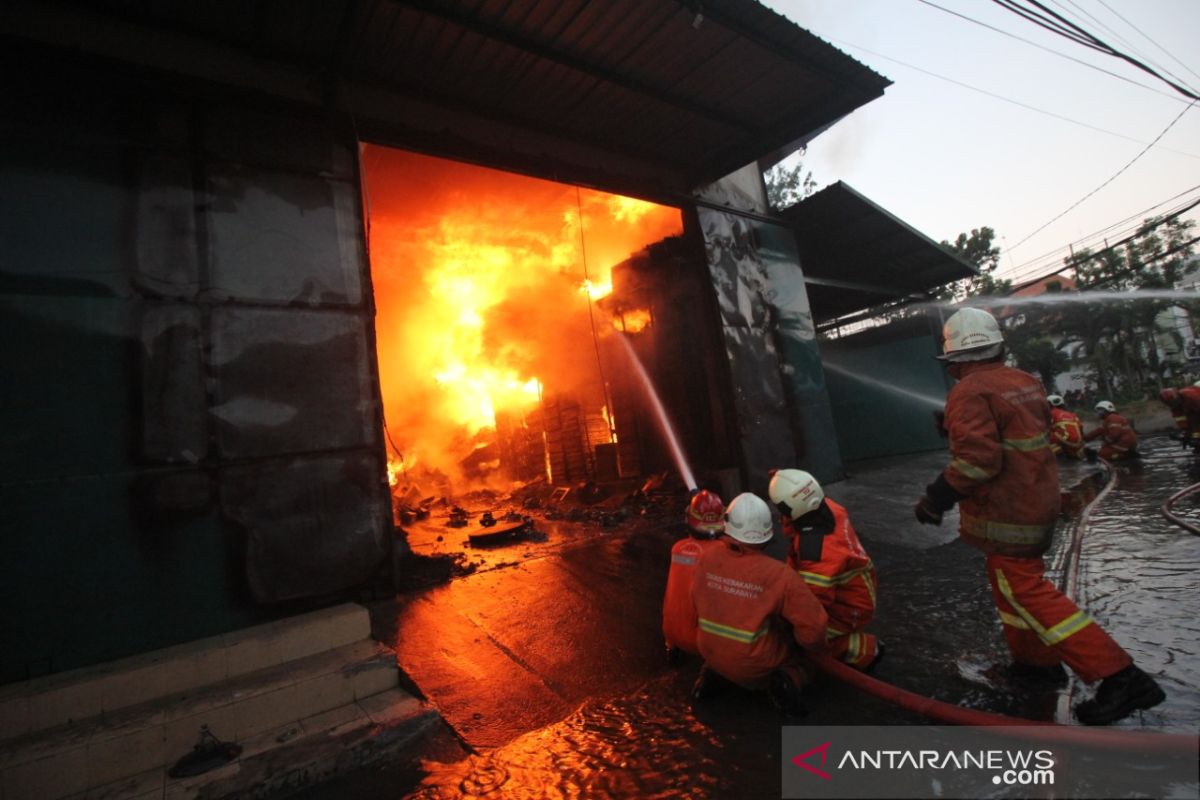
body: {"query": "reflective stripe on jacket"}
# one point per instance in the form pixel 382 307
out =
pixel 679 618
pixel 998 420
pixel 844 579
pixel 742 599
pixel 1066 430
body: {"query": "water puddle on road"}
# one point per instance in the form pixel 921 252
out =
pixel 1138 576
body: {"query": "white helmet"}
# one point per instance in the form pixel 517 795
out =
pixel 1055 400
pixel 1105 407
pixel 748 519
pixel 795 493
pixel 971 334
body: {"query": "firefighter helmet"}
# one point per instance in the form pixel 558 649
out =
pixel 1105 407
pixel 795 493
pixel 748 519
pixel 706 513
pixel 1169 396
pixel 1055 400
pixel 971 334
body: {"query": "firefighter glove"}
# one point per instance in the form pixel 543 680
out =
pixel 927 511
pixel 939 424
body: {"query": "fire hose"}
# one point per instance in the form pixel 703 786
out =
pixel 1165 509
pixel 940 711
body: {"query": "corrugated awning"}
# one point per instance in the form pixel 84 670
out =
pixel 856 255
pixel 651 91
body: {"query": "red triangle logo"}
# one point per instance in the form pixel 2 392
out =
pixel 799 761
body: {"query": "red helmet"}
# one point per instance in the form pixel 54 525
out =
pixel 1169 396
pixel 706 513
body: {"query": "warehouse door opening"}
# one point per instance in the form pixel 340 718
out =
pixel 497 325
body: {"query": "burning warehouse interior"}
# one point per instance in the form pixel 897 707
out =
pixel 498 303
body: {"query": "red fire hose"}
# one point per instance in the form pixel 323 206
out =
pixel 1125 740
pixel 1166 511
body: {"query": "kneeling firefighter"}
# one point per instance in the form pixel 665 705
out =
pixel 1005 478
pixel 754 613
pixel 825 551
pixel 705 519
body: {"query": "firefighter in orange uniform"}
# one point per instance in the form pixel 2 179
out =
pixel 1185 408
pixel 825 551
pixel 705 519
pixel 754 613
pixel 1004 474
pixel 1120 442
pixel 1066 429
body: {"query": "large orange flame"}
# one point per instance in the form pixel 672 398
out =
pixel 482 282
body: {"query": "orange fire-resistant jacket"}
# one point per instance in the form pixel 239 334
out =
pixel 1187 413
pixel 1118 435
pixel 998 421
pixel 843 580
pixel 679 618
pixel 752 611
pixel 1066 432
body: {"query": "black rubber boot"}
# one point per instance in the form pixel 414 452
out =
pixel 1119 696
pixel 708 685
pixel 1036 675
pixel 879 651
pixel 785 696
pixel 674 656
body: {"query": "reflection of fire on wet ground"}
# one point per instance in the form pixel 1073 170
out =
pixel 449 537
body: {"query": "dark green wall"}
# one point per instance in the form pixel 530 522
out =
pixel 885 385
pixel 190 437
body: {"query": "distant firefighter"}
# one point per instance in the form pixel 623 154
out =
pixel 1005 476
pixel 1185 408
pixel 705 520
pixel 755 614
pixel 1066 429
pixel 824 550
pixel 1120 441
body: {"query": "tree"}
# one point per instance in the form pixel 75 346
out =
pixel 977 249
pixel 1121 340
pixel 787 186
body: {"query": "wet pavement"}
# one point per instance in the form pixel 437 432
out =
pixel 547 664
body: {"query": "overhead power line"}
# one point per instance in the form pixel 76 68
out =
pixel 1002 98
pixel 1117 174
pixel 1074 262
pixel 1054 22
pixel 1051 50
pixel 1038 263
pixel 1148 39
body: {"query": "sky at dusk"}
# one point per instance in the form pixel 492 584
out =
pixel 946 158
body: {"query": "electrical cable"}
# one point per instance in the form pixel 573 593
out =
pixel 1061 26
pixel 1052 51
pixel 1033 265
pixel 1115 13
pixel 1133 48
pixel 1007 99
pixel 1115 175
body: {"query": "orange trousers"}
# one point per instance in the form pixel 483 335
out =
pixel 1043 627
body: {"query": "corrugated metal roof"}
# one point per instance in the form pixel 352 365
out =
pixel 845 239
pixel 697 90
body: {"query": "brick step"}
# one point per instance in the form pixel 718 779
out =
pixel 297 755
pixel 55 700
pixel 263 710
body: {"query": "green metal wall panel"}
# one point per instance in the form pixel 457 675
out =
pixel 884 388
pixel 191 438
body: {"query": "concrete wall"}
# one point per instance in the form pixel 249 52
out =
pixel 191 421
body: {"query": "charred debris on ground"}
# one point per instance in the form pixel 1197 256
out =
pixel 449 535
